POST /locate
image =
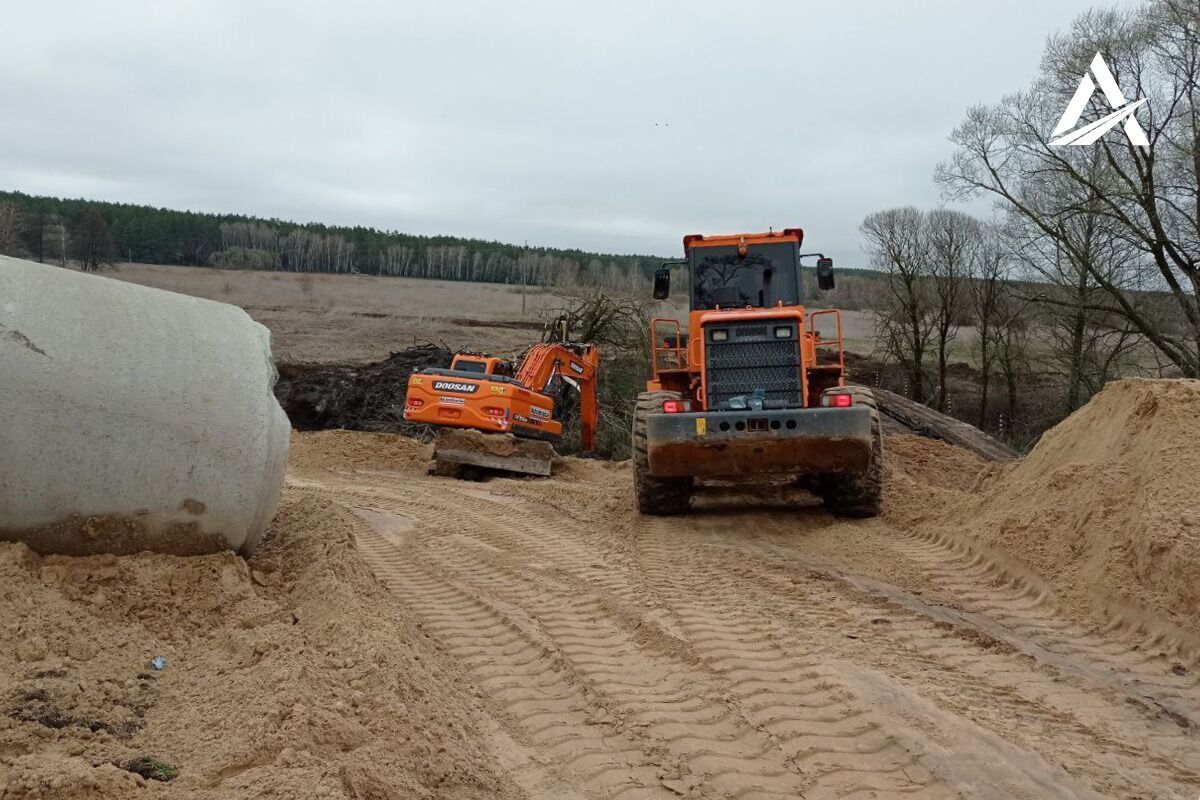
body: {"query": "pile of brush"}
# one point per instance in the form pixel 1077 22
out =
pixel 369 397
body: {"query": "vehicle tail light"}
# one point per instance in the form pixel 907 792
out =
pixel 493 411
pixel 415 402
pixel 677 406
pixel 837 400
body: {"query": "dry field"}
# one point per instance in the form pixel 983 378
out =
pixel 359 318
pixel 317 318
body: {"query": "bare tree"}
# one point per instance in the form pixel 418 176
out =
pixel 953 240
pixel 58 242
pixel 91 241
pixel 896 240
pixel 1012 350
pixel 989 290
pixel 1084 340
pixel 35 233
pixel 1149 195
pixel 10 228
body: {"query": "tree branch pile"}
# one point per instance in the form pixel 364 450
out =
pixel 357 398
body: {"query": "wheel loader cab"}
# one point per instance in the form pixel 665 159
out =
pixel 754 383
pixel 754 274
pixel 746 313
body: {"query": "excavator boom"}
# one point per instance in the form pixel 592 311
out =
pixel 574 365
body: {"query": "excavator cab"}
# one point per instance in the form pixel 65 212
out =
pixel 754 383
pixel 481 364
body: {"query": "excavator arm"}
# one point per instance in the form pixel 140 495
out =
pixel 575 364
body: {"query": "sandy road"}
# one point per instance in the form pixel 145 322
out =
pixel 770 651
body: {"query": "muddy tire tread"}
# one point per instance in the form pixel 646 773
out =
pixel 861 495
pixel 657 496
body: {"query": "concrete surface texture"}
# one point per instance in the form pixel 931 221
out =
pixel 132 418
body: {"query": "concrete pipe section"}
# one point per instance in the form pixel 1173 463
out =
pixel 132 418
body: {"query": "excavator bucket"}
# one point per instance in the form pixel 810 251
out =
pixel 461 450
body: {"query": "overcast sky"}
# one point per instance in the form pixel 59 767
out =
pixel 614 126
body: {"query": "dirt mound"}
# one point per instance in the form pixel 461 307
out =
pixel 927 482
pixel 360 398
pixel 1107 504
pixel 292 675
pixel 934 463
pixel 341 450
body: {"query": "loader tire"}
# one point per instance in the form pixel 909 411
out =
pixel 658 496
pixel 858 495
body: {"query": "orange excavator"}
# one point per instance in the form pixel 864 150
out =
pixel 495 416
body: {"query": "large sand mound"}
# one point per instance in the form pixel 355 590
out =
pixel 1107 506
pixel 293 674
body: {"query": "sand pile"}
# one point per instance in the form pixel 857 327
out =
pixel 916 461
pixel 1107 506
pixel 341 450
pixel 295 674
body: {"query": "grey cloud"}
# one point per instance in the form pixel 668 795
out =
pixel 616 127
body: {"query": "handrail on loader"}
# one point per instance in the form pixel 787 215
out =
pixel 827 343
pixel 678 350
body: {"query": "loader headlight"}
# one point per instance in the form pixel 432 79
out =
pixel 720 335
pixel 783 332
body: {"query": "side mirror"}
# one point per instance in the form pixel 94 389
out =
pixel 662 283
pixel 825 274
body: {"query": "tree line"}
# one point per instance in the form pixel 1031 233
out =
pixel 1091 268
pixel 92 234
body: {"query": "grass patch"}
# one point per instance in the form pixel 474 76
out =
pixel 151 769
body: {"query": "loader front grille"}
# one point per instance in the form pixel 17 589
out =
pixel 751 357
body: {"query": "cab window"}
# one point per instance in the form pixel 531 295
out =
pixel 465 365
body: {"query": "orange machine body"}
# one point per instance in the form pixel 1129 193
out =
pixel 487 394
pixel 679 356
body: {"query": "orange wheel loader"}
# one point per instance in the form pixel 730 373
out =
pixel 493 416
pixel 750 389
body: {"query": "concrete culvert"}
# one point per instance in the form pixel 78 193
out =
pixel 132 418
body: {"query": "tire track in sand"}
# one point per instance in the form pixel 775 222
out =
pixel 843 749
pixel 540 698
pixel 838 749
pixel 670 706
pixel 734 661
pixel 1066 717
pixel 1151 665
